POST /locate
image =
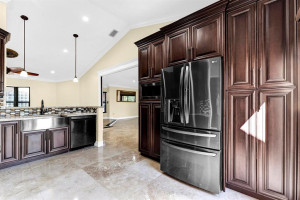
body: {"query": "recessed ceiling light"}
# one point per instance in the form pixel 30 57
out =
pixel 133 81
pixel 52 72
pixel 65 50
pixel 85 19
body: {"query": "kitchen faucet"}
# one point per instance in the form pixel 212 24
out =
pixel 42 108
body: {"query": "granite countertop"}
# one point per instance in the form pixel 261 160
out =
pixel 17 118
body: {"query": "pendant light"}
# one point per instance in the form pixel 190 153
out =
pixel 24 73
pixel 75 80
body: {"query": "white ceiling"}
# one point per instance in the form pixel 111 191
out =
pixel 124 79
pixel 52 24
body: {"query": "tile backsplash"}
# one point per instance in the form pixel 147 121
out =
pixel 30 111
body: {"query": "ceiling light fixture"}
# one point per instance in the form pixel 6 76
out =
pixel 133 81
pixel 75 80
pixel 85 19
pixel 65 50
pixel 52 72
pixel 24 73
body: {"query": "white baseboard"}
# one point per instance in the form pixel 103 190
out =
pixel 99 144
pixel 128 117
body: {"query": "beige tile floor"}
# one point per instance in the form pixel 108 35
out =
pixel 115 171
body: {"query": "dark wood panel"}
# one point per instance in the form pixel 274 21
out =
pixel 276 34
pixel 241 47
pixel 144 62
pixel 177 47
pixel 58 139
pixel 145 128
pixel 276 136
pixel 157 58
pixel 156 130
pixel 207 38
pixel 9 142
pixel 33 144
pixel 241 147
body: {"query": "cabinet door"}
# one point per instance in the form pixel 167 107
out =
pixel 241 47
pixel 276 50
pixel 157 58
pixel 33 143
pixel 145 128
pixel 144 62
pixel 207 38
pixel 241 141
pixel 276 152
pixel 9 142
pixel 58 139
pixel 177 47
pixel 156 130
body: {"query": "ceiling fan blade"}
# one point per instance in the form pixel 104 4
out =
pixel 13 69
pixel 32 74
pixel 11 53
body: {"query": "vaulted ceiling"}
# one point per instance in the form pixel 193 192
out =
pixel 49 40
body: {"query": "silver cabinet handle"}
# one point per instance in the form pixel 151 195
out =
pixel 190 133
pixel 190 151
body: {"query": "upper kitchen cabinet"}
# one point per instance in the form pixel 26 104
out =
pixel 241 47
pixel 178 47
pixel 277 43
pixel 151 54
pixel 144 62
pixel 207 38
pixel 4 38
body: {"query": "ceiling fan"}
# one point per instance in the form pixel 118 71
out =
pixel 18 70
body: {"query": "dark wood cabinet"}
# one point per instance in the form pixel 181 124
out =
pixel 9 141
pixel 58 139
pixel 155 129
pixel 157 58
pixel 4 38
pixel 144 128
pixel 207 38
pixel 277 43
pixel 241 145
pixel 178 45
pixel 149 129
pixel 276 138
pixel 144 62
pixel 34 143
pixel 241 47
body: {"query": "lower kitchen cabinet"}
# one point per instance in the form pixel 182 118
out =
pixel 261 143
pixel 149 129
pixel 9 142
pixel 34 143
pixel 58 139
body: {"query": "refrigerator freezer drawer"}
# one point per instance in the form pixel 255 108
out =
pixel 196 166
pixel 202 138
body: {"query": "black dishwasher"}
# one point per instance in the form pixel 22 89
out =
pixel 83 131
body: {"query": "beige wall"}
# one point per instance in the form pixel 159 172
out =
pixel 38 90
pixel 3 15
pixel 67 94
pixel 120 109
pixel 125 50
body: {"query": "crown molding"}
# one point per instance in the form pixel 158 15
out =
pixel 4 35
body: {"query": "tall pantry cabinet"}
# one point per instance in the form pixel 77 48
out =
pixel 261 98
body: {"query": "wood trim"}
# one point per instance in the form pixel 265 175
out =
pixel 4 35
pixel 298 108
pixel 149 39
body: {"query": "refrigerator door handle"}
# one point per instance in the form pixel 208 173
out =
pixel 190 151
pixel 189 133
pixel 180 94
pixel 186 94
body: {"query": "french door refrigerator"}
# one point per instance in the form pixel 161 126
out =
pixel 191 127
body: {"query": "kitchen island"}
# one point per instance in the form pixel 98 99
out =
pixel 28 138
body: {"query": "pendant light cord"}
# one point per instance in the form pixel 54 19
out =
pixel 24 46
pixel 75 56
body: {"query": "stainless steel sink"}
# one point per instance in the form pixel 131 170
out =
pixel 42 122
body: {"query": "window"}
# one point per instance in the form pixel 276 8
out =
pixel 104 101
pixel 17 96
pixel 125 96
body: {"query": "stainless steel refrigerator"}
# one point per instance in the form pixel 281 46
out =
pixel 191 127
